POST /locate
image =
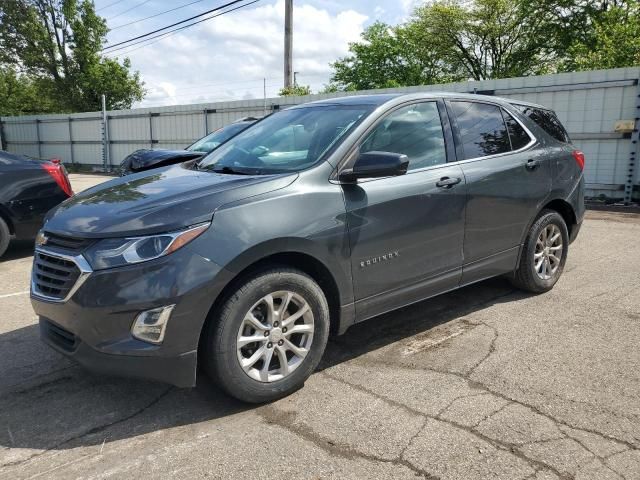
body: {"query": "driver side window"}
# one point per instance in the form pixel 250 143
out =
pixel 415 131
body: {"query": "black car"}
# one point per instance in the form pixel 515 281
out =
pixel 315 218
pixel 146 159
pixel 29 188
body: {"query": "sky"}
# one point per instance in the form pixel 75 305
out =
pixel 227 57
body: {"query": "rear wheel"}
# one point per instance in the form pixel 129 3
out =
pixel 544 254
pixel 268 336
pixel 5 235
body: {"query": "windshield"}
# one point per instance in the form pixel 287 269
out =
pixel 286 141
pixel 211 141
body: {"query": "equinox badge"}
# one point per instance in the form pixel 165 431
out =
pixel 380 259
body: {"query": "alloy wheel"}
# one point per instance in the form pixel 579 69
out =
pixel 548 252
pixel 275 336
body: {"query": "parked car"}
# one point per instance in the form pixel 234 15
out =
pixel 29 188
pixel 146 159
pixel 317 217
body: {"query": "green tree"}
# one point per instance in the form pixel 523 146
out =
pixel 487 38
pixel 388 57
pixel 298 90
pixel 19 94
pixel 589 34
pixel 331 87
pixel 614 41
pixel 55 46
pixel 449 40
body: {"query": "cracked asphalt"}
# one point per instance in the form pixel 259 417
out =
pixel 483 383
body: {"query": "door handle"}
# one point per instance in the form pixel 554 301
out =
pixel 532 164
pixel 447 182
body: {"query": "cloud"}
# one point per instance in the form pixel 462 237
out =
pixel 228 56
pixel 409 5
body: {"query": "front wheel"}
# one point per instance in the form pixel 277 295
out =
pixel 268 336
pixel 544 254
pixel 5 236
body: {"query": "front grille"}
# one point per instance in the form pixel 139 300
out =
pixel 53 277
pixel 58 335
pixel 69 244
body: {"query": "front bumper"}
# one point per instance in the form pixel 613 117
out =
pixel 179 370
pixel 93 326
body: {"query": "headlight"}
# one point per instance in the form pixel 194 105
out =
pixel 115 252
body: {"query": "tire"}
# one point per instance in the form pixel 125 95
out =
pixel 538 248
pixel 222 356
pixel 5 236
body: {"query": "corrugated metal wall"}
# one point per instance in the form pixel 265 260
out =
pixel 588 103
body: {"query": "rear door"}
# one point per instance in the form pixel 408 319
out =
pixel 508 178
pixel 565 172
pixel 406 232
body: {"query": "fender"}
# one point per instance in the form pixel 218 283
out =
pixel 341 274
pixel 550 203
pixel 313 221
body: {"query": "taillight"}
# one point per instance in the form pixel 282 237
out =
pixel 59 174
pixel 579 156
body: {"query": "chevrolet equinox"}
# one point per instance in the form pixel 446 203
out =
pixel 312 219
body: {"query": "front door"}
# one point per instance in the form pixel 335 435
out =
pixel 406 233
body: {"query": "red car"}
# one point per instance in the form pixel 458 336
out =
pixel 29 188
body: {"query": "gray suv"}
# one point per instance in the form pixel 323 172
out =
pixel 313 219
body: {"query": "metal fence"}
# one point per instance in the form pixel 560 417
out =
pixel 588 103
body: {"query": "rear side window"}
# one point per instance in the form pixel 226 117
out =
pixel 519 138
pixel 547 120
pixel 482 129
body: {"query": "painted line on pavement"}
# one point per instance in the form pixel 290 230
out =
pixel 14 294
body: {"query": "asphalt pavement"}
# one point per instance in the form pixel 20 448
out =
pixel 486 382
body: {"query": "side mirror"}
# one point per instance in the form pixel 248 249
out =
pixel 375 165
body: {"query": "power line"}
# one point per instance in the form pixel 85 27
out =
pixel 164 35
pixel 110 5
pixel 129 9
pixel 174 24
pixel 127 52
pixel 156 15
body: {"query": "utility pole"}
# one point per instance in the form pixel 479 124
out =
pixel 295 79
pixel 3 142
pixel 106 160
pixel 264 97
pixel 288 42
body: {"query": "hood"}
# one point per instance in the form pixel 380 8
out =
pixel 157 201
pixel 141 159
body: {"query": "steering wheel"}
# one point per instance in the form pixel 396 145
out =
pixel 250 159
pixel 260 150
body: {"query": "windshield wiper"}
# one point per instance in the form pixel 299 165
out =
pixel 230 171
